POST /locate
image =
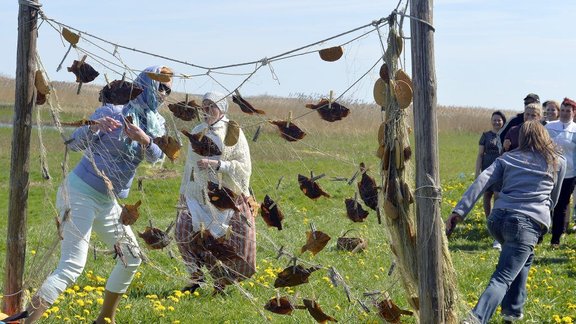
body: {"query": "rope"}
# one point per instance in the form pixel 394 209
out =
pixel 415 18
pixel 373 23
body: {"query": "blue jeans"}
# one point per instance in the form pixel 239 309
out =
pixel 518 235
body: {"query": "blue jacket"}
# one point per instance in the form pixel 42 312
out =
pixel 114 154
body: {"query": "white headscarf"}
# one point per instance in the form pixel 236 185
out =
pixel 219 99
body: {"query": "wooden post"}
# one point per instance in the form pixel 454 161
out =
pixel 20 160
pixel 430 271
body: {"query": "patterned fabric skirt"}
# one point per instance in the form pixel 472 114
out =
pixel 230 258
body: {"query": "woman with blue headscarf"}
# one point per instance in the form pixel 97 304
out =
pixel 87 200
pixel 220 238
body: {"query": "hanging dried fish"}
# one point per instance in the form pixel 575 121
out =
pixel 217 247
pixel 390 312
pixel 232 133
pixel 119 92
pixel 83 71
pixel 202 145
pixel 384 74
pixel 315 241
pixel 280 305
pixel 79 123
pixel 352 244
pixel 331 54
pixel 245 106
pixel 185 111
pixel 41 84
pixel 316 312
pixel 169 145
pixel 330 111
pixel 368 189
pixel 155 238
pixel 310 188
pixel 289 131
pixel 222 198
pixel 294 276
pixel 40 98
pixel 271 213
pixel 354 210
pixel 130 214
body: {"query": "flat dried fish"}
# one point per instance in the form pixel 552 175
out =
pixel 289 132
pixel 310 188
pixel 330 112
pixel 271 213
pixel 202 145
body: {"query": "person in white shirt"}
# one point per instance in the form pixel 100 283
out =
pixel 563 133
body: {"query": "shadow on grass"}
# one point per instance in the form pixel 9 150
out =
pixel 550 260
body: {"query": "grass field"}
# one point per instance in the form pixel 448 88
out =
pixel 333 149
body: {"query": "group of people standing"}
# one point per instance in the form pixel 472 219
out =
pixel 527 166
pixel 221 240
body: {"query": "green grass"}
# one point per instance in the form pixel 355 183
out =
pixel 152 297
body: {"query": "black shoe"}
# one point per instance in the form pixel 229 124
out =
pixel 191 288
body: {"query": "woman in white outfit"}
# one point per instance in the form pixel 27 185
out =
pixel 221 239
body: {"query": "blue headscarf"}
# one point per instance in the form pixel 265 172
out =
pixel 144 108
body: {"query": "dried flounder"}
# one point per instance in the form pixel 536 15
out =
pixel 330 111
pixel 289 131
pixel 202 145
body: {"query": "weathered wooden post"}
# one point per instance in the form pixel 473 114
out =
pixel 430 263
pixel 20 160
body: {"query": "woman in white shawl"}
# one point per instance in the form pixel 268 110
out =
pixel 222 239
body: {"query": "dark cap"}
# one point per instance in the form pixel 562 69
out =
pixel 530 98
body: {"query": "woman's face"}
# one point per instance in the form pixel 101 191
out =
pixel 497 122
pixel 566 113
pixel 164 90
pixel 212 113
pixel 531 114
pixel 551 112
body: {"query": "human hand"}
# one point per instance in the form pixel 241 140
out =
pixel 451 223
pixel 507 143
pixel 207 163
pixel 135 133
pixel 105 125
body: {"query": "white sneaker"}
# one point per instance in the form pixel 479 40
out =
pixel 512 318
pixel 496 245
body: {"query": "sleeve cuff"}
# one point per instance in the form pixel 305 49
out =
pixel 225 166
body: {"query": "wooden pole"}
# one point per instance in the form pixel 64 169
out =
pixel 20 160
pixel 430 271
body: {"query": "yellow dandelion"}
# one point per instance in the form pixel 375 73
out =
pixel 88 288
pixel 100 301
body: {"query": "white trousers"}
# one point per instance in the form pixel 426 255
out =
pixel 89 210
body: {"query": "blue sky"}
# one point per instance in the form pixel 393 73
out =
pixel 488 53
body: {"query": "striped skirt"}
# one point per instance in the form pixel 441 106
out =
pixel 229 259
